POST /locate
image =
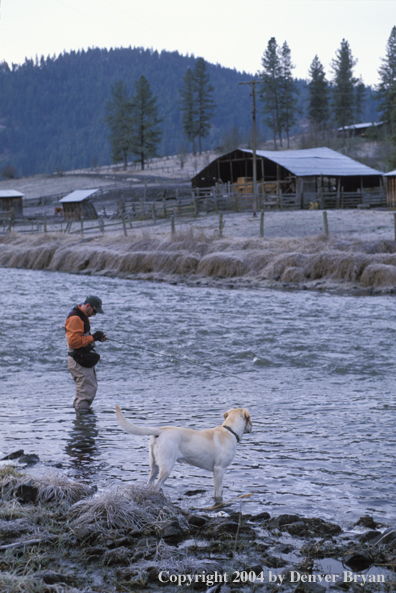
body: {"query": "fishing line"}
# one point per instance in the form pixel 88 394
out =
pixel 185 359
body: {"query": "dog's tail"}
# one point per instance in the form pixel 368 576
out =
pixel 133 429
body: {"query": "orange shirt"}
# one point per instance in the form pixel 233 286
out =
pixel 75 332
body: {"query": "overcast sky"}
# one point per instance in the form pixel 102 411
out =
pixel 233 33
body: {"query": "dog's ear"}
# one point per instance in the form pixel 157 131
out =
pixel 247 415
pixel 225 415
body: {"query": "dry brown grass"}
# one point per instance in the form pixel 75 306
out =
pixel 14 583
pixel 197 253
pixel 130 508
pixel 51 487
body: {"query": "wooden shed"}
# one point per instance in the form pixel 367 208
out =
pixel 78 205
pixel 11 201
pixel 391 189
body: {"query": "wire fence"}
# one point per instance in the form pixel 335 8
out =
pixel 125 207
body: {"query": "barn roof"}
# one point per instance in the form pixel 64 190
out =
pixel 390 174
pixel 10 193
pixel 79 195
pixel 316 161
pixel 372 124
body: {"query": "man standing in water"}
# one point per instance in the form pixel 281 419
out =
pixel 82 356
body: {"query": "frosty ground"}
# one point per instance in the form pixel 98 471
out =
pixel 357 256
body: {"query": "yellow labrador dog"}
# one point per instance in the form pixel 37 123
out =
pixel 212 449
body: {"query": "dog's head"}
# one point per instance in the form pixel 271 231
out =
pixel 240 413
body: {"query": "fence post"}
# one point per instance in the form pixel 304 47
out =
pixel 12 218
pixel 194 204
pixel 221 224
pixel 124 225
pixel 326 227
pixel 45 222
pixel 262 223
pixel 172 225
pixel 153 212
pixel 394 219
pixel 82 226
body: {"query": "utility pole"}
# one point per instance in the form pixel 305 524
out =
pixel 253 83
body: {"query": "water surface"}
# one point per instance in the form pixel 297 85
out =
pixel 316 372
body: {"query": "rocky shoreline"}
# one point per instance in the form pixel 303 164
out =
pixel 61 535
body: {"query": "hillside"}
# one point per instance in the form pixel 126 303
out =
pixel 52 110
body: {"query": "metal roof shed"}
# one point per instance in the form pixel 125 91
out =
pixel 359 129
pixel 287 165
pixel 77 205
pixel 11 201
pixel 306 174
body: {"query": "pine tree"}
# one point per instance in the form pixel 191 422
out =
pixel 188 108
pixel 344 86
pixel 288 99
pixel 360 92
pixel 318 111
pixel 146 133
pixel 118 119
pixel 387 86
pixel 204 103
pixel 271 93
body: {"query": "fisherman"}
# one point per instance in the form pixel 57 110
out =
pixel 82 356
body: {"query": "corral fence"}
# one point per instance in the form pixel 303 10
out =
pixel 123 207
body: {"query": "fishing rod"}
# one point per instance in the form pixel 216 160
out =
pixel 185 359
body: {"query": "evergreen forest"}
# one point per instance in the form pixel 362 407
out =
pixel 53 110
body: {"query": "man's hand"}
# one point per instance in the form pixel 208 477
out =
pixel 99 336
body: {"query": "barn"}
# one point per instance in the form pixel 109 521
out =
pixel 300 175
pixel 78 205
pixel 11 202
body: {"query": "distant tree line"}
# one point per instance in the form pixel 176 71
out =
pixel 339 102
pixel 64 112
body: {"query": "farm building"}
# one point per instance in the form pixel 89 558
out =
pixel 78 205
pixel 391 189
pixel 11 201
pixel 359 129
pixel 300 175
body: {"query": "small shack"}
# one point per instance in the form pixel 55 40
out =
pixel 78 205
pixel 359 129
pixel 11 202
pixel 391 189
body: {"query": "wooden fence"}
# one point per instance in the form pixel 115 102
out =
pixel 186 204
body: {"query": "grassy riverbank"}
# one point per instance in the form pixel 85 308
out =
pixel 57 535
pixel 358 256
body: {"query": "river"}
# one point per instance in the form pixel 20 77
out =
pixel 316 371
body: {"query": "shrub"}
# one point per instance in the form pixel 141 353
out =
pixel 9 172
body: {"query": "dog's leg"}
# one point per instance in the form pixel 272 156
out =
pixel 163 476
pixel 218 474
pixel 153 464
pixel 153 474
pixel 165 458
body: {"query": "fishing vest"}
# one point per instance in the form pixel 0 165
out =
pixel 87 326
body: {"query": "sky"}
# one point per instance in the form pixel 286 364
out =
pixel 232 33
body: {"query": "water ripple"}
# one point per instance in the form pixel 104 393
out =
pixel 316 372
